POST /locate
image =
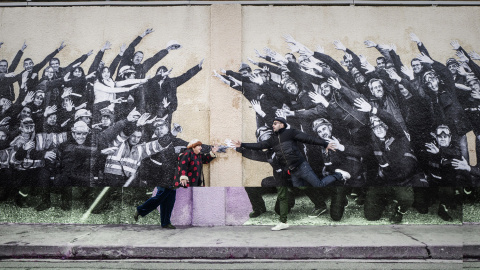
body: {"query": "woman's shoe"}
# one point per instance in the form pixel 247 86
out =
pixel 169 226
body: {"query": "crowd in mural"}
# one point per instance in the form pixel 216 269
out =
pixel 385 133
pixel 110 125
pixel 396 132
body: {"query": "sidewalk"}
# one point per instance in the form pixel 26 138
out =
pixel 447 242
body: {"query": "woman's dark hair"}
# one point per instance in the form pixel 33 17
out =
pixel 44 77
pixel 100 77
pixel 164 68
pixel 77 68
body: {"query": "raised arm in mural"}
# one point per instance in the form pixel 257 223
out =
pixel 61 71
pixel 134 58
pixel 441 90
pixel 417 113
pixel 161 90
pixel 419 68
pixel 465 58
pixel 383 49
pixel 466 74
pixel 32 70
pixel 98 58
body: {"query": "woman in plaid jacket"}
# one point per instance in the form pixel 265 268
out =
pixel 188 173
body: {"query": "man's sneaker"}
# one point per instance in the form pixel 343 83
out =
pixel 317 212
pixel 280 226
pixel 345 175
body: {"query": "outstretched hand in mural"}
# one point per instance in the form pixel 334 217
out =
pixel 146 32
pixel 474 55
pixel 415 38
pixel 173 45
pixel 461 164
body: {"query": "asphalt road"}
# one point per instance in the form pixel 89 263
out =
pixel 238 264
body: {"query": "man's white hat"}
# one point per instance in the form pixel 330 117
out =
pixel 172 42
pixel 125 70
pixel 80 126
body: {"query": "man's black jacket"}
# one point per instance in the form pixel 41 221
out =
pixel 284 143
pixel 279 174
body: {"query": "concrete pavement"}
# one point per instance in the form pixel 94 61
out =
pixel 68 241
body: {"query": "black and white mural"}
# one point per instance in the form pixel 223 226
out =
pixel 397 128
pixel 401 126
pixel 108 125
pixel 398 125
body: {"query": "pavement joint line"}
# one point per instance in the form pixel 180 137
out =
pixel 427 248
pixel 93 229
pixel 71 249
